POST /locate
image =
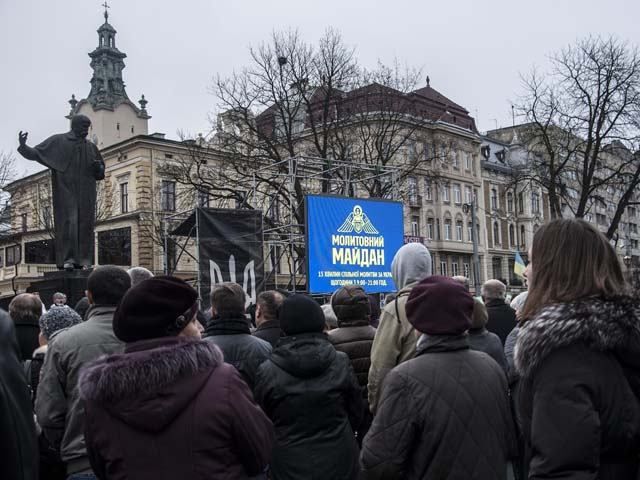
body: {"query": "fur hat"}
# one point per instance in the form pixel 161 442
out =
pixel 301 314
pixel 58 318
pixel 440 306
pixel 158 307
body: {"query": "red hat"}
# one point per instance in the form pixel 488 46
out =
pixel 440 306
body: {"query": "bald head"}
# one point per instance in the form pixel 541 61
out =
pixel 494 290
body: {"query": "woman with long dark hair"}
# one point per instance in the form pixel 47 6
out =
pixel 578 355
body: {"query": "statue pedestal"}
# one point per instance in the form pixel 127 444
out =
pixel 72 284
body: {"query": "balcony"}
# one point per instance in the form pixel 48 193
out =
pixel 415 201
pixel 25 270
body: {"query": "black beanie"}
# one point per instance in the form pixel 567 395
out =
pixel 158 307
pixel 440 306
pixel 351 303
pixel 301 314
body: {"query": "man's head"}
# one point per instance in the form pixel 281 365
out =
pixel 59 299
pixel 463 280
pixel 107 285
pixel 227 300
pixel 25 309
pixel 493 290
pixel 138 274
pixel 80 125
pixel 268 306
pixel 350 304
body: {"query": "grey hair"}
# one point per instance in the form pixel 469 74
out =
pixel 463 280
pixel 138 274
pixel 494 290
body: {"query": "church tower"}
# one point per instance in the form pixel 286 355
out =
pixel 114 117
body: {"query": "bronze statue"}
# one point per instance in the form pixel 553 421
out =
pixel 75 165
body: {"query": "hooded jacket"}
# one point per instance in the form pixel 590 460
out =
pixel 58 407
pixel 170 408
pixel 311 394
pixel 395 339
pixel 579 365
pixel 443 415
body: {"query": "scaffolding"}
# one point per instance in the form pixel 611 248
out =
pixel 282 185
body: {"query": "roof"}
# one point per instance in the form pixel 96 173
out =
pixel 432 94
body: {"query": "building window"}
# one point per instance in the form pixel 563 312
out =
pixel 415 226
pixel 114 247
pixel 459 230
pixel 523 242
pixel 428 193
pixel 512 236
pixel 467 194
pixel 23 222
pixel 632 212
pixel 535 203
pixel 46 216
pixel 203 198
pixel 520 202
pixel 168 196
pixel 470 232
pixel 496 233
pixel 494 199
pixel 466 270
pixel 509 202
pixel 457 194
pixel 430 228
pixel 124 197
pixel 455 267
pixel 445 193
pixel 454 159
pixel 13 255
pixel 443 265
pixel 40 251
pixel 497 267
pixel 467 161
pixel 447 229
pixel 412 185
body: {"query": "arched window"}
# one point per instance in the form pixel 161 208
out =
pixel 512 236
pixel 496 233
pixel 509 202
pixel 494 199
pixel 523 242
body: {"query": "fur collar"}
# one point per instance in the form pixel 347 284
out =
pixel 113 378
pixel 606 325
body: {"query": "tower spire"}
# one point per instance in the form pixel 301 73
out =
pixel 106 12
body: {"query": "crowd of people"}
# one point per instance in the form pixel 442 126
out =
pixel 136 382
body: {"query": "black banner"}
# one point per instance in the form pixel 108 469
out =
pixel 230 250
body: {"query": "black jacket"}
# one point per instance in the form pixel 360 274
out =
pixel 313 399
pixel 269 331
pixel 579 365
pixel 18 442
pixel 443 415
pixel 502 319
pixel 482 340
pixel 239 347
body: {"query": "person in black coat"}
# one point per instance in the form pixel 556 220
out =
pixel 229 330
pixel 578 356
pixel 502 318
pixel 445 413
pixel 267 308
pixel 311 394
pixel 18 442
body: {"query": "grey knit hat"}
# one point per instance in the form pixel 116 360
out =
pixel 57 318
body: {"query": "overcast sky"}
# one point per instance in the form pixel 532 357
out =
pixel 473 51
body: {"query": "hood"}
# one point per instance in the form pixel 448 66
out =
pixel 304 356
pixel 411 264
pixel 606 325
pixel 148 388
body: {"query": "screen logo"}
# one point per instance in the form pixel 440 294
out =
pixel 358 222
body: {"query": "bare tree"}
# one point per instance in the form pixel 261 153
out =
pixel 588 102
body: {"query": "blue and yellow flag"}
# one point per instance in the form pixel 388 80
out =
pixel 519 266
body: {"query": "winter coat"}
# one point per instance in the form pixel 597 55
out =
pixel 58 407
pixel 18 442
pixel 579 366
pixel 502 318
pixel 482 340
pixel 311 394
pixel 269 331
pixel 443 415
pixel 355 338
pixel 395 340
pixel 509 347
pixel 171 408
pixel 239 347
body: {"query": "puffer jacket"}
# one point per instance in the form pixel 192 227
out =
pixel 355 338
pixel 579 366
pixel 58 407
pixel 443 415
pixel 311 394
pixel 240 348
pixel 169 408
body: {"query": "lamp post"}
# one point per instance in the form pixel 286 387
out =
pixel 474 238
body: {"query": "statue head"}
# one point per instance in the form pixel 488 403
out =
pixel 80 125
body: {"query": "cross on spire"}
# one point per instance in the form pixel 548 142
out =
pixel 106 13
